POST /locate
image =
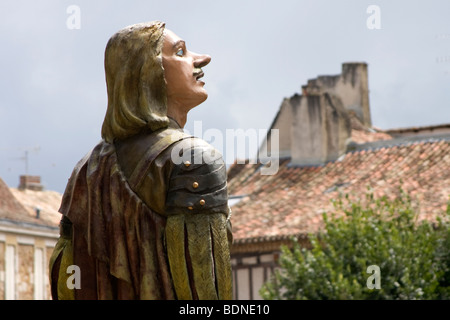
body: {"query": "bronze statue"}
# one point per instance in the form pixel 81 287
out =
pixel 138 222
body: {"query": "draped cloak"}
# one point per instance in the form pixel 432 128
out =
pixel 176 247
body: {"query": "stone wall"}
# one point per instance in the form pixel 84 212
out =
pixel 24 260
pixel 25 279
pixel 321 128
pixel 351 86
pixel 315 127
pixel 282 121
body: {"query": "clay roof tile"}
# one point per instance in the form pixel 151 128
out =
pixel 292 201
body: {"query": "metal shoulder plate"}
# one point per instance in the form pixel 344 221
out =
pixel 198 182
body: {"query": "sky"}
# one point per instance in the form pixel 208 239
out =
pixel 53 92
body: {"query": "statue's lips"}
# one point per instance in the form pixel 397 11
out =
pixel 199 75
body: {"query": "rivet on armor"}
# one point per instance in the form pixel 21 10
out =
pixel 195 185
pixel 190 208
pixel 187 163
pixel 202 202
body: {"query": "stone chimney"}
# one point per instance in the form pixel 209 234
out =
pixel 315 127
pixel 320 129
pixel 351 86
pixel 30 183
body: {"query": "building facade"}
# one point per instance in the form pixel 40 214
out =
pixel 28 234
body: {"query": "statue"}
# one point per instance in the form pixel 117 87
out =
pixel 142 216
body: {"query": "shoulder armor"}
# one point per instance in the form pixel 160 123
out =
pixel 198 182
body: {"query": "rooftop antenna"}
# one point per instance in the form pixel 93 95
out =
pixel 25 157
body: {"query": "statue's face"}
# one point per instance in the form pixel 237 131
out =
pixel 182 71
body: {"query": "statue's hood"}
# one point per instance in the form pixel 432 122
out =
pixel 137 98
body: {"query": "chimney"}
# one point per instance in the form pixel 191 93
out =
pixel 320 129
pixel 351 86
pixel 30 183
pixel 38 212
pixel 315 127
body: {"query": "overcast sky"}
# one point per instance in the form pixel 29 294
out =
pixel 53 93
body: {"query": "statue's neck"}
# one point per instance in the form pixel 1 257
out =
pixel 178 115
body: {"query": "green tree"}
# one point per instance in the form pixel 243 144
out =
pixel 413 256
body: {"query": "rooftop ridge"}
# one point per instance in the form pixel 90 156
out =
pixel 370 146
pixel 396 142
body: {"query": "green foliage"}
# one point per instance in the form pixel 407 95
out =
pixel 413 256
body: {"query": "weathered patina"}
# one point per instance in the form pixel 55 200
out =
pixel 145 213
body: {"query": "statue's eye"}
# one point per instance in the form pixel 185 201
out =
pixel 180 52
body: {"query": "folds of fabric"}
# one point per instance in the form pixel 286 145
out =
pixel 61 259
pixel 117 240
pixel 125 250
pixel 198 252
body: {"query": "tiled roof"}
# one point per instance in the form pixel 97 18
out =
pixel 18 207
pixel 432 128
pixel 364 136
pixel 10 207
pixel 361 134
pixel 292 201
pixel 47 201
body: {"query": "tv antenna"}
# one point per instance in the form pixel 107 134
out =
pixel 25 157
